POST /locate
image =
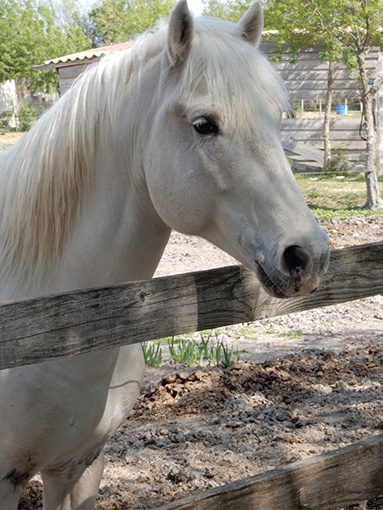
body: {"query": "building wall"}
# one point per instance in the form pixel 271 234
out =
pixel 307 78
pixel 67 73
pixel 7 96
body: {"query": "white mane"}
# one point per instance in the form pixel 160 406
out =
pixel 228 67
pixel 45 176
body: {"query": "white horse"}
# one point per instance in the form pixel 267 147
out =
pixel 179 132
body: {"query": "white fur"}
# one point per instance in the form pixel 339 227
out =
pixel 89 197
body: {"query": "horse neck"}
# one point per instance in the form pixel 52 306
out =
pixel 118 236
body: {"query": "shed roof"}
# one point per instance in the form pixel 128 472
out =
pixel 84 55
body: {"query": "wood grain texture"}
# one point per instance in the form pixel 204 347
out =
pixel 35 330
pixel 332 480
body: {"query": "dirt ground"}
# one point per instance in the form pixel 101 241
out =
pixel 8 138
pixel 306 384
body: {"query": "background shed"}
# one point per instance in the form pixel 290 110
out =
pixel 69 67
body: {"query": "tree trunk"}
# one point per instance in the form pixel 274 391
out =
pixel 379 114
pixel 374 200
pixel 327 115
pixel 379 131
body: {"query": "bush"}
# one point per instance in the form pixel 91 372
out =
pixel 26 115
pixel 339 163
pixel 5 119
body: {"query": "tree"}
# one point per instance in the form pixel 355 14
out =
pixel 31 33
pixel 347 28
pixel 359 24
pixel 232 10
pixel 302 23
pixel 115 21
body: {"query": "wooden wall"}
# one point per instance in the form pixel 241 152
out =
pixel 345 137
pixel 307 78
pixel 68 72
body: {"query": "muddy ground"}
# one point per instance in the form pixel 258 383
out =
pixel 305 384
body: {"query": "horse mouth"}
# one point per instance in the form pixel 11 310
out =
pixel 268 284
pixel 297 286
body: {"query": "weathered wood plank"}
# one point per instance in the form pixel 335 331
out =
pixel 344 145
pixel 349 136
pixel 339 124
pixel 344 135
pixel 71 72
pixel 34 330
pixel 340 74
pixel 302 150
pixel 309 85
pixel 310 62
pixel 332 480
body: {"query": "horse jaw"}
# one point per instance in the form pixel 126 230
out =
pixel 250 26
pixel 180 34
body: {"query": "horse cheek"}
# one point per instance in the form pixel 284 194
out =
pixel 177 187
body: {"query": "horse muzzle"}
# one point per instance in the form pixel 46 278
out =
pixel 297 271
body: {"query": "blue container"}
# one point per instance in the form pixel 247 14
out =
pixel 341 109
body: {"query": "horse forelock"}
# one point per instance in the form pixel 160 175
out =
pixel 232 72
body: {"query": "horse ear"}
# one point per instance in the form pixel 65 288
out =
pixel 251 25
pixel 180 33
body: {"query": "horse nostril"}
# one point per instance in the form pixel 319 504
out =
pixel 295 260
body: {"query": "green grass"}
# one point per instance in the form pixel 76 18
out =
pixel 209 350
pixel 247 331
pixel 291 334
pixel 330 197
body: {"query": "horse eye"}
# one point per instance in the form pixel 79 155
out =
pixel 205 126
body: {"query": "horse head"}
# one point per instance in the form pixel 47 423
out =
pixel 219 169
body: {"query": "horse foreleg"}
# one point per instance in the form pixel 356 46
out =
pixel 66 490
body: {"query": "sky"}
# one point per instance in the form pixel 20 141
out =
pixel 196 6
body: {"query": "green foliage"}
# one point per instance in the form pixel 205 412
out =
pixel 342 214
pixel 26 116
pixel 339 162
pixel 113 21
pixel 293 334
pixel 31 33
pixel 229 355
pixel 5 119
pixel 231 10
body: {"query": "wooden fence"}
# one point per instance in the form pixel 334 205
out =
pixel 36 330
pixel 333 480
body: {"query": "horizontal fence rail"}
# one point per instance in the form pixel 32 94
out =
pixel 36 330
pixel 335 479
